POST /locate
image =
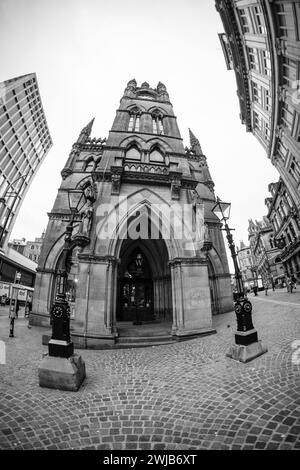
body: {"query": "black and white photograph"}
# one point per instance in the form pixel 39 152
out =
pixel 149 228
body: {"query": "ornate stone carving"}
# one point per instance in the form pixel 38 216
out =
pixel 116 173
pixel 175 184
pixel 82 237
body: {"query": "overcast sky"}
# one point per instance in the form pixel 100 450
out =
pixel 85 51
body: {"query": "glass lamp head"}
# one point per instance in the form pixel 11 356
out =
pixel 75 199
pixel 222 210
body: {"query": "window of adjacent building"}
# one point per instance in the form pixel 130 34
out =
pixel 294 169
pixel 253 58
pixel 266 62
pixel 292 230
pixel 133 154
pixel 257 121
pixel 282 151
pixel 267 99
pixel 287 116
pixel 288 198
pixel 267 131
pixel 285 18
pixel 259 20
pixel 256 91
pixel 289 72
pixel 244 20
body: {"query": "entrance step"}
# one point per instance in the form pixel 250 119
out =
pixel 144 339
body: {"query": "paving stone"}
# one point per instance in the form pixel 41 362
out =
pixel 187 395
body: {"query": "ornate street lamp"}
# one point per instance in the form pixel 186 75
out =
pixel 247 346
pixel 61 368
pixel 60 344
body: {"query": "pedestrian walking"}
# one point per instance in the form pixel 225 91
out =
pixel 12 316
pixel 291 285
pixel 266 288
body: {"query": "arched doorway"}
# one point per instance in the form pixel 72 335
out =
pixel 136 289
pixel 144 292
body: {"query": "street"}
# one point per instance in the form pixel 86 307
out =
pixel 186 395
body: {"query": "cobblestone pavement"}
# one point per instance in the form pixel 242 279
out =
pixel 186 395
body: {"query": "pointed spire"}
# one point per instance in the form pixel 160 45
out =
pixel 86 132
pixel 195 144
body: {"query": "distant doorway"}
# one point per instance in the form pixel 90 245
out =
pixel 136 293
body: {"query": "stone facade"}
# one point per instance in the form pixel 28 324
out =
pixel 247 266
pixel 282 213
pixel 129 262
pixel 261 44
pixel 266 255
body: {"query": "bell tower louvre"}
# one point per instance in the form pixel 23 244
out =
pixel 146 249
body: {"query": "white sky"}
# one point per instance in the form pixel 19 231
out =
pixel 85 51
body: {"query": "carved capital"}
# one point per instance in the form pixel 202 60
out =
pixel 116 174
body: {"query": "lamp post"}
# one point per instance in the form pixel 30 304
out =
pixel 253 269
pixel 62 368
pixel 247 346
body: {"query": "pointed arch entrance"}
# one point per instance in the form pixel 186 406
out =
pixel 144 292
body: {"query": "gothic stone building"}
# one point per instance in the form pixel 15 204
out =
pixel 146 247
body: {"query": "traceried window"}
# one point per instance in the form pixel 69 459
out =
pixel 134 120
pixel 133 153
pixel 294 169
pixel 90 165
pixel 156 156
pixel 157 123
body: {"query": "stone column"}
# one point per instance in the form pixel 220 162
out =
pixel 192 297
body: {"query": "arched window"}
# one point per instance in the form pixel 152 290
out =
pixel 134 120
pixel 157 122
pixel 156 156
pixel 90 164
pixel 133 153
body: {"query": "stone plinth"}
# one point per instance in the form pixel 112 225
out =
pixel 243 353
pixel 62 373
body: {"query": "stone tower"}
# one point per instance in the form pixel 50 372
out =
pixel 146 247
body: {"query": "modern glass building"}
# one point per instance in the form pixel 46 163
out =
pixel 24 143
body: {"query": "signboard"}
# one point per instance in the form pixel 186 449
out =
pixel 4 289
pixel 22 294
